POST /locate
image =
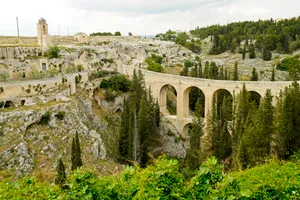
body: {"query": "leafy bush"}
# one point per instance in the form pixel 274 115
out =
pixel 156 58
pixel 288 62
pixel 52 52
pixel 118 33
pixel 153 66
pixel 110 95
pixel 99 74
pixel 118 83
pixel 45 118
pixel 60 115
pixel 4 76
pixel 163 180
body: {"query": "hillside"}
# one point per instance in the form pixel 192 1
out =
pixel 261 45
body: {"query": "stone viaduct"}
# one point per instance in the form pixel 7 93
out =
pixel 159 83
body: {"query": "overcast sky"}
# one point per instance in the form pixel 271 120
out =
pixel 141 17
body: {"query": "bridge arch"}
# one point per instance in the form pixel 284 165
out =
pixel 168 100
pixel 190 97
pixel 256 97
pixel 223 96
pixel 186 129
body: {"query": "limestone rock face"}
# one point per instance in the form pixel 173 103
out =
pixel 26 138
pixel 172 142
pixel 18 158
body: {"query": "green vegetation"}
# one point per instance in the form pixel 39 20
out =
pixel 181 39
pixel 61 174
pixel 100 74
pixel 101 34
pixel 154 63
pixel 292 65
pixel 281 36
pixel 4 76
pixel 117 82
pixel 52 52
pixel 118 33
pixel 76 161
pixel 140 121
pixel 60 115
pixel 254 75
pixel 45 118
pixel 164 180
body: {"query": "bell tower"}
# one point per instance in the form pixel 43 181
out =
pixel 42 28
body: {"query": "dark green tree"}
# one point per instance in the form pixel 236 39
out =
pixel 200 71
pixel 196 133
pixel 60 173
pixel 254 75
pixel 267 54
pixel 124 130
pixel 213 71
pixel 144 131
pixel 288 122
pixel 258 132
pixel 244 52
pixel 252 51
pixel 273 74
pixel 206 70
pixel 76 153
pixel 235 72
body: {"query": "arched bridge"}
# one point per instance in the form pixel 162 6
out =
pixel 182 85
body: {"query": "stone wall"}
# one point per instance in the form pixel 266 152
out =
pixel 14 40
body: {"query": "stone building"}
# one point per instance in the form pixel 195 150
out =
pixel 44 38
pixel 81 38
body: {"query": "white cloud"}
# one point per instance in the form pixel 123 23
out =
pixel 137 16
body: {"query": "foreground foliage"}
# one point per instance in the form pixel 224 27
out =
pixel 163 180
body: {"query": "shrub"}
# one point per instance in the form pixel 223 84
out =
pixel 156 58
pixel 99 74
pixel 52 52
pixel 1 89
pixel 110 95
pixel 153 66
pixel 267 55
pixel 118 33
pixel 60 115
pixel 4 76
pixel 45 118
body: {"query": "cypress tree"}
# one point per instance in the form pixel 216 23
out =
pixel 254 75
pixel 226 75
pixel 273 75
pixel 222 142
pixel 244 52
pixel 200 72
pixel 289 121
pixel 60 174
pixel 206 70
pixel 267 55
pixel 235 72
pixel 196 133
pixel 213 71
pixel 73 155
pixel 144 131
pixel 241 113
pixel 77 152
pixel 252 51
pixel 258 132
pixel 124 130
pixel 221 74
